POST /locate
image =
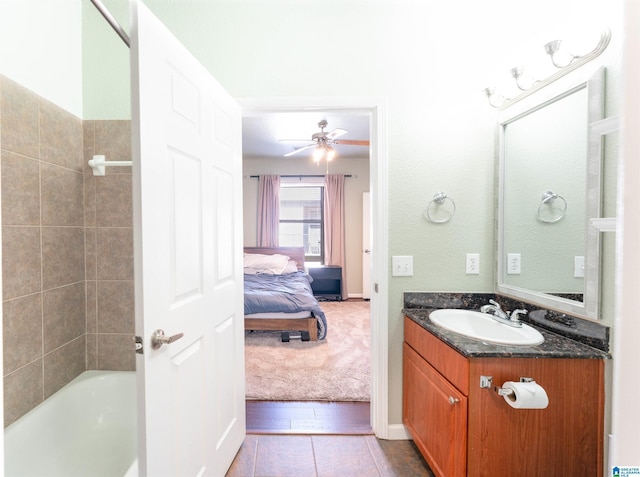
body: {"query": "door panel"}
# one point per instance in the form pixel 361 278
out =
pixel 188 253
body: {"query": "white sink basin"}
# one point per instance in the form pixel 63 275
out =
pixel 480 326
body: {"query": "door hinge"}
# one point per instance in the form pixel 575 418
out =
pixel 138 342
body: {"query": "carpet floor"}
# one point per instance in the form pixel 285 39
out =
pixel 334 369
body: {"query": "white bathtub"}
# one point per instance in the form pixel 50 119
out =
pixel 88 428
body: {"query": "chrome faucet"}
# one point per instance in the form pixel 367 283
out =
pixel 513 316
pixel 493 309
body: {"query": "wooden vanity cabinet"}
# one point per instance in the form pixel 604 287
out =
pixel 464 430
pixel 436 414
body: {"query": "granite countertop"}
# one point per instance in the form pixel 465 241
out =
pixel 554 346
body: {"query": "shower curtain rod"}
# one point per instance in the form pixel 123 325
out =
pixel 112 21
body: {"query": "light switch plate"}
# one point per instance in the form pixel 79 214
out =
pixel 402 265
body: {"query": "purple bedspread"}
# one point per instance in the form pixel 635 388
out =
pixel 288 293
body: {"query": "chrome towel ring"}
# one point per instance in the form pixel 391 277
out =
pixel 439 199
pixel 548 198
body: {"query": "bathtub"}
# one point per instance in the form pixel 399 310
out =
pixel 87 428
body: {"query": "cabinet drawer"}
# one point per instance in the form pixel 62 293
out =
pixel 441 356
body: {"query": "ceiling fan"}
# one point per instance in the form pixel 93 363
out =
pixel 324 140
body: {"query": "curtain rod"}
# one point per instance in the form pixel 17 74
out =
pixel 112 21
pixel 300 176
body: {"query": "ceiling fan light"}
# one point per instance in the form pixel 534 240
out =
pixel 331 153
pixel 318 154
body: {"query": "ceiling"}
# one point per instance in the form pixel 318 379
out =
pixel 262 132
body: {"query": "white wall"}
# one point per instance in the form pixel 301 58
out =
pixel 626 412
pixel 41 48
pixel 354 187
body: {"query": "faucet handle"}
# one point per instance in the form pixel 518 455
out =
pixel 495 303
pixel 514 314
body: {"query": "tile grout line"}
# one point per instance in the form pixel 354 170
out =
pixel 255 457
pixel 313 451
pixel 371 453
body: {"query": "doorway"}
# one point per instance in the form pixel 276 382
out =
pixel 376 111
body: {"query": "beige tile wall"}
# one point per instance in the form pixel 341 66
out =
pixel 67 254
pixel 109 240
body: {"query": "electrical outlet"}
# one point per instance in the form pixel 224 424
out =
pixel 513 264
pixel 473 263
pixel 578 266
pixel 402 266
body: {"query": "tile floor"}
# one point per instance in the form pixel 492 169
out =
pixel 327 456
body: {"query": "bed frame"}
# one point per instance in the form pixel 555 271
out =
pixel 309 325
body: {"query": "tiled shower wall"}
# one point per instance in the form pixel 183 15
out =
pixel 109 245
pixel 67 291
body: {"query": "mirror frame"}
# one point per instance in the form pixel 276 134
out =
pixel 594 83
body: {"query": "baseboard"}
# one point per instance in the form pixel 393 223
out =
pixel 354 295
pixel 397 432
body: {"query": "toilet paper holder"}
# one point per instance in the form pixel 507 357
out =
pixel 487 382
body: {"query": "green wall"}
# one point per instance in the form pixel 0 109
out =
pixel 430 60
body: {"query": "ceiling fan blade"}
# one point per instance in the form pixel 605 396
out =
pixel 299 149
pixel 292 141
pixel 336 133
pixel 352 142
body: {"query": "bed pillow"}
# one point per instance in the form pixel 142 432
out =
pixel 292 267
pixel 259 263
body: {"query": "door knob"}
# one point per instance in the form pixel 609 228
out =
pixel 453 400
pixel 366 250
pixel 158 338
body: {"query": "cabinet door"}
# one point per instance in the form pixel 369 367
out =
pixel 435 413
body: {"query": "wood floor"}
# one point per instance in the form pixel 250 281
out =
pixel 308 417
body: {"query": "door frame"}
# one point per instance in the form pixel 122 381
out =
pixel 378 169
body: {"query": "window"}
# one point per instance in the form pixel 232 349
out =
pixel 301 224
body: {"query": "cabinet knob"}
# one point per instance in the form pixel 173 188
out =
pixel 453 400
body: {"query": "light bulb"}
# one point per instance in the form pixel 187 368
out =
pixel 318 152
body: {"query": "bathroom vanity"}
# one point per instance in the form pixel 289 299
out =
pixel 465 428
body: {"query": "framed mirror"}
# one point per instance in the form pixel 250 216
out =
pixel 549 189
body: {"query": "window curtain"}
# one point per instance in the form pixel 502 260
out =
pixel 334 238
pixel 268 210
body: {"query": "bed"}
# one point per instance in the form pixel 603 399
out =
pixel 281 300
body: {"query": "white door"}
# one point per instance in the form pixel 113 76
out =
pixel 366 246
pixel 187 245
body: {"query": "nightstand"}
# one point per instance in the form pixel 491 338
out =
pixel 327 282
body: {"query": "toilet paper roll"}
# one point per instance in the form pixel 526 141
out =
pixel 528 395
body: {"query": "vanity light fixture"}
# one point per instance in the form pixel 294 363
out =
pixel 553 50
pixel 495 100
pixel 518 74
pixel 563 60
